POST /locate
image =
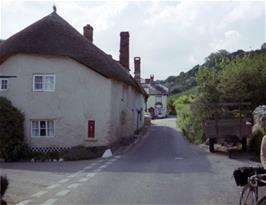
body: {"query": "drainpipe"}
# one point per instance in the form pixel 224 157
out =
pixel 138 114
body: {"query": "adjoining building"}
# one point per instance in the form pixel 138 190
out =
pixel 156 104
pixel 70 91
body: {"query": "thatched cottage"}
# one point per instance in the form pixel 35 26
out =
pixel 71 92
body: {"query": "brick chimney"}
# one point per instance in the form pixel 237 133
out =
pixel 124 50
pixel 147 81
pixel 137 68
pixel 151 78
pixel 88 32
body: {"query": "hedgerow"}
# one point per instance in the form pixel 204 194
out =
pixel 12 145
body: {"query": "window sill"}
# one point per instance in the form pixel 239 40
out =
pixel 44 91
pixel 36 137
pixel 91 140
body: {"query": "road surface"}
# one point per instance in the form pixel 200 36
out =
pixel 162 168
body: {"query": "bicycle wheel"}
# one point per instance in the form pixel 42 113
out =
pixel 262 201
pixel 248 196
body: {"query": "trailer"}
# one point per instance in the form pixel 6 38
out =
pixel 228 124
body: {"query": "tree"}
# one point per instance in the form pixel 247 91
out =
pixel 244 80
pixel 207 81
pixel 12 145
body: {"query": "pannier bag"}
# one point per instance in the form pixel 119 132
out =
pixel 242 173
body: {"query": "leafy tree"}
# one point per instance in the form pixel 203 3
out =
pixel 207 80
pixel 244 80
pixel 12 146
pixel 171 105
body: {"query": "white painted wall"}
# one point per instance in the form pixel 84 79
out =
pixel 125 102
pixel 151 103
pixel 80 94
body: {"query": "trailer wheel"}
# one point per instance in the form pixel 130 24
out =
pixel 211 145
pixel 244 144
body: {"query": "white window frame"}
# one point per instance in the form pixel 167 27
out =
pixel 158 97
pixel 1 84
pixel 39 127
pixel 43 89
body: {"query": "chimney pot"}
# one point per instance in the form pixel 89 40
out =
pixel 124 50
pixel 88 32
pixel 137 61
pixel 151 78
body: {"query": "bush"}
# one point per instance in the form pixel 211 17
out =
pixel 12 146
pixel 255 141
pixel 3 188
pixel 80 153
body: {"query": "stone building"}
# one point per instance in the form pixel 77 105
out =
pixel 70 91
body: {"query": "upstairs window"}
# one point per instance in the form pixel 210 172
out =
pixel 158 99
pixel 42 128
pixel 3 84
pixel 44 82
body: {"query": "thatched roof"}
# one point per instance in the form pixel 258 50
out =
pixel 52 35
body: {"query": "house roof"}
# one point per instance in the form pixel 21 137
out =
pixel 156 89
pixel 52 35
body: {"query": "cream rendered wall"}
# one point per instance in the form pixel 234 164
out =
pixel 151 102
pixel 125 102
pixel 80 94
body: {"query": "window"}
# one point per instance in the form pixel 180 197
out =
pixel 158 99
pixel 44 82
pixel 3 84
pixel 42 128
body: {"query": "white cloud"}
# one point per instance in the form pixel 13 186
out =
pixel 230 41
pixel 169 36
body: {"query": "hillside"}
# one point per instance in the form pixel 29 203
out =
pixel 186 80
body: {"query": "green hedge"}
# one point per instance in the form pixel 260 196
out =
pixel 12 145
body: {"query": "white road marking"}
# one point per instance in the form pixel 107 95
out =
pixel 62 193
pixel 118 157
pixel 93 164
pixel 100 161
pixel 52 186
pixel 88 167
pixel 84 179
pixel 72 175
pixel 109 163
pixel 75 174
pixel 91 174
pixel 40 193
pixel 97 170
pixel 25 202
pixel 103 166
pixel 179 158
pixel 75 185
pixel 112 160
pixel 63 181
pixel 50 202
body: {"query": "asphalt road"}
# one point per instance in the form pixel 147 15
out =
pixel 162 168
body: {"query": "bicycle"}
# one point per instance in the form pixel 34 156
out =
pixel 250 192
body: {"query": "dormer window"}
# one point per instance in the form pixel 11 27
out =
pixel 3 84
pixel 44 82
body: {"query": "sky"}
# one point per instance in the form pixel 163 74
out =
pixel 169 36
